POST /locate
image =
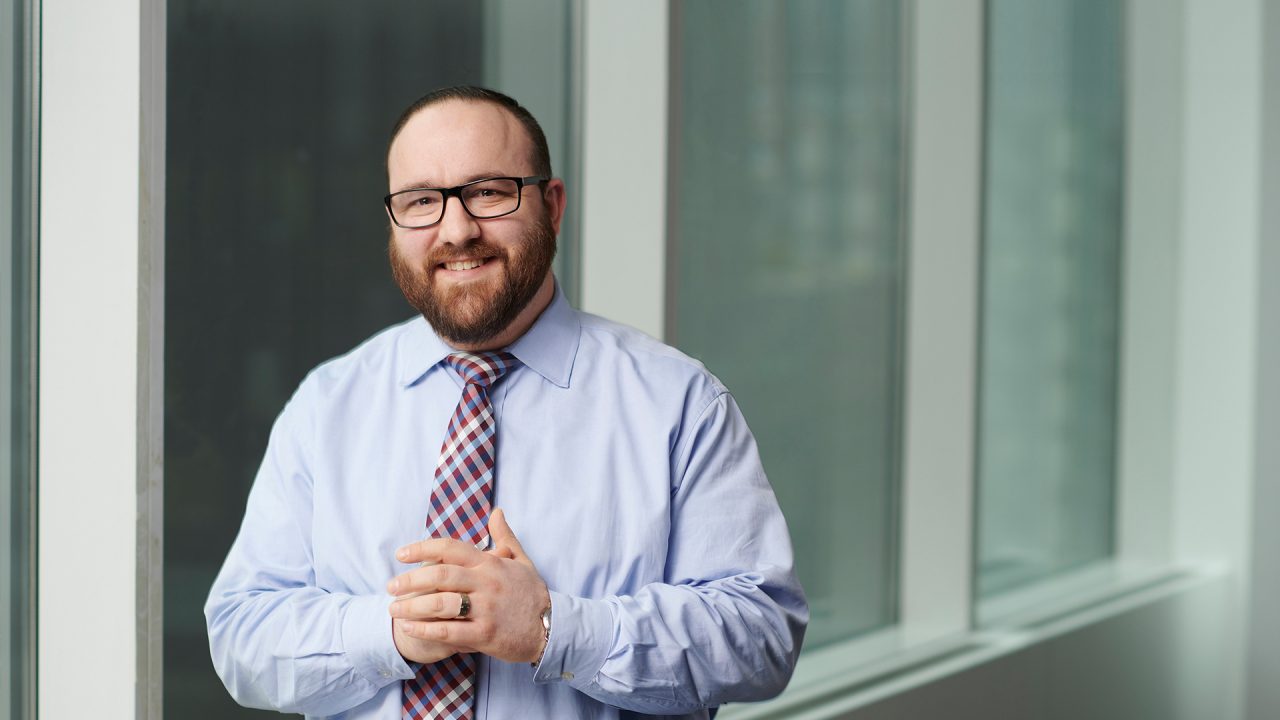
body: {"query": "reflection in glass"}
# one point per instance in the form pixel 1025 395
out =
pixel 275 237
pixel 786 268
pixel 1051 289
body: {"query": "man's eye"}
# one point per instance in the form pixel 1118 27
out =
pixel 425 201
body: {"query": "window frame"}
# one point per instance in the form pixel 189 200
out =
pixel 944 48
pixel 99 452
pixel 941 623
pixel 22 133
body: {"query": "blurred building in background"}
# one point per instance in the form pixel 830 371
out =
pixel 994 282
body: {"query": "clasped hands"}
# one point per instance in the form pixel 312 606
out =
pixel 506 593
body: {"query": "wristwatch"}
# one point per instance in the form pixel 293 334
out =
pixel 546 635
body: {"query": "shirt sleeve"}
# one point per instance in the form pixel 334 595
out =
pixel 727 623
pixel 277 640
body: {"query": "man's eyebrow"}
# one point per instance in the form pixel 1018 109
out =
pixel 422 184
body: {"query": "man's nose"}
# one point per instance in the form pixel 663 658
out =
pixel 456 224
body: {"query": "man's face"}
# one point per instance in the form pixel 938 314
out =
pixel 470 278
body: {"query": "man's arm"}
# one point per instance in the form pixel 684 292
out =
pixel 277 640
pixel 725 626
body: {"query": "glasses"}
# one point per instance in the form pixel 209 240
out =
pixel 482 199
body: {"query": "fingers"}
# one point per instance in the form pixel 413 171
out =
pixel 457 633
pixel 440 550
pixel 422 651
pixel 505 543
pixel 433 606
pixel 429 579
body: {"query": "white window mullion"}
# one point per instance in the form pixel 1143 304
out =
pixel 89 356
pixel 624 162
pixel 941 326
pixel 1153 185
pixel 942 320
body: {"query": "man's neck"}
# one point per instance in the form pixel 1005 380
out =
pixel 518 327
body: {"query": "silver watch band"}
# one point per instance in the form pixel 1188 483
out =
pixel 546 637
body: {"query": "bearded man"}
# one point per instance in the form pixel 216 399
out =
pixel 639 563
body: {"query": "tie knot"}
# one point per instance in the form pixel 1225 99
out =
pixel 483 369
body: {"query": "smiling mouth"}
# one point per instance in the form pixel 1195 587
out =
pixel 464 264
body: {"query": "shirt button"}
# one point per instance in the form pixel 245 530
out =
pixel 386 673
pixel 566 675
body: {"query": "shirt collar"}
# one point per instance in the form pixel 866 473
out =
pixel 548 348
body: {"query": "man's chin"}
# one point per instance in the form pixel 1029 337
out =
pixel 469 302
pixel 465 336
pixel 465 316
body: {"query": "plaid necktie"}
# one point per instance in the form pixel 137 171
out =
pixel 460 510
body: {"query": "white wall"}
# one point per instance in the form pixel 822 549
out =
pixel 1216 351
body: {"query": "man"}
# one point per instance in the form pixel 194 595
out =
pixel 641 564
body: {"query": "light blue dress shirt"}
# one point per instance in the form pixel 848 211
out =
pixel 625 469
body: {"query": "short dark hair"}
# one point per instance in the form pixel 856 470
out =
pixel 541 155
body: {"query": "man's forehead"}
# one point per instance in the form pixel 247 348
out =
pixel 455 138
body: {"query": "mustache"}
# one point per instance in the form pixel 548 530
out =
pixel 473 249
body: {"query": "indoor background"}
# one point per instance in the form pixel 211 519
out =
pixel 992 281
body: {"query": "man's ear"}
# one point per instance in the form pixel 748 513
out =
pixel 555 197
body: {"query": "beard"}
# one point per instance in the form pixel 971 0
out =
pixel 472 313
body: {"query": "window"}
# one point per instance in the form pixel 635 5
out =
pixel 786 268
pixel 17 367
pixel 278 115
pixel 1051 290
pixel 1002 482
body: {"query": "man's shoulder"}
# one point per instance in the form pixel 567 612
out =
pixel 376 359
pixel 629 350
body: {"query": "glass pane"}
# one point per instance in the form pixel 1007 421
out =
pixel 786 268
pixel 1051 289
pixel 17 369
pixel 278 114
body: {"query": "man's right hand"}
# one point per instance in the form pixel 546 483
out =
pixel 415 649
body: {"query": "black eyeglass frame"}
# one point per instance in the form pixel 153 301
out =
pixel 456 191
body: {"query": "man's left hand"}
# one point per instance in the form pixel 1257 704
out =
pixel 506 593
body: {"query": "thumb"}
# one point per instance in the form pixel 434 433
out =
pixel 505 543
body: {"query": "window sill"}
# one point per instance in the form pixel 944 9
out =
pixel 841 678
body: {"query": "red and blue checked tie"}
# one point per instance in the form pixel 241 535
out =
pixel 460 510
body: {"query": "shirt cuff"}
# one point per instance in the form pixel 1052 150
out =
pixel 581 635
pixel 368 642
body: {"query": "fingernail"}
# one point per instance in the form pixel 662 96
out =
pixel 403 553
pixel 393 586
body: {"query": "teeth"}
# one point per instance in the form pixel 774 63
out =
pixel 463 264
